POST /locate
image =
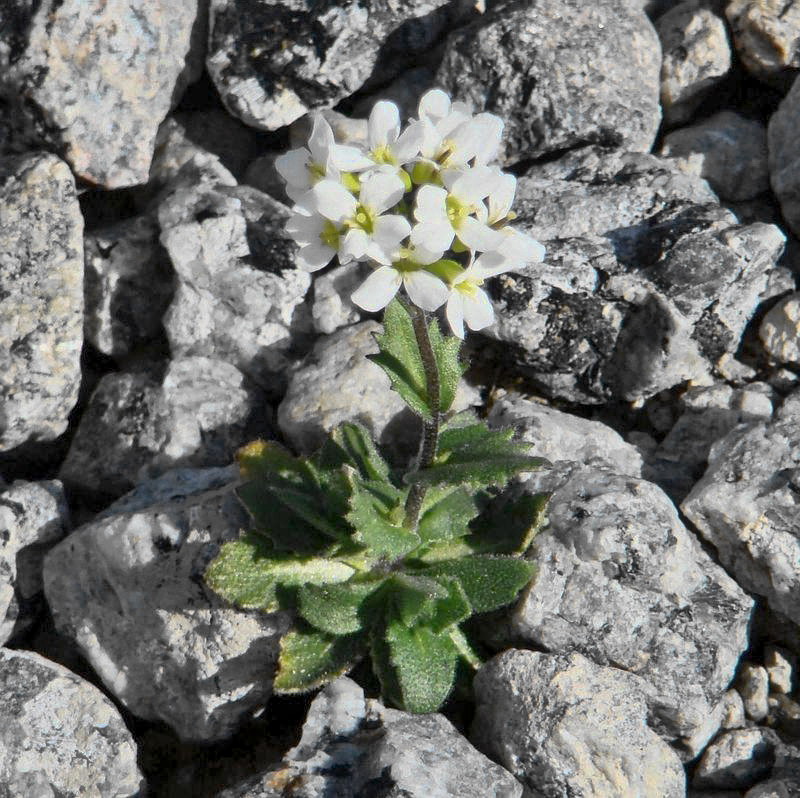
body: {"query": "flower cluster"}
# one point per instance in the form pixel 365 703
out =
pixel 423 205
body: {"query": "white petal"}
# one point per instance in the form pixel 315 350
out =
pixel 455 313
pixel 381 190
pixel 389 231
pixel 478 310
pixel 349 159
pixel 490 133
pixel 501 199
pixel 424 256
pixel 520 247
pixel 425 290
pixel 490 264
pixel 333 200
pixel 431 139
pixel 409 143
pixel 321 140
pixel 430 205
pixel 292 166
pixel 354 244
pixel 304 228
pixel 472 185
pixel 378 290
pixel 434 104
pixel 477 236
pixel 432 236
pixel 314 256
pixel 384 124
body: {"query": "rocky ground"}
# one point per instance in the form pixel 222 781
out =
pixel 152 320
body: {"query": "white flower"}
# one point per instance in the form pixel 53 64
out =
pixel 318 238
pixel 388 147
pixel 369 234
pixel 423 288
pixel 323 158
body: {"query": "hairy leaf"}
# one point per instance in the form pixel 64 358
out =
pixel 446 514
pixel 510 523
pixel 351 444
pixel 374 524
pixel 412 597
pixel 310 658
pixel 336 609
pixel 247 574
pixel 446 350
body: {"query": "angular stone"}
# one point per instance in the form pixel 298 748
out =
pixel 726 149
pixel 41 298
pixel 737 759
pixel 33 517
pixel 696 57
pixel 129 285
pixel 565 726
pixel 746 505
pixel 128 590
pixel 522 60
pixel 780 330
pixel 561 436
pixel 784 155
pixel 753 685
pixel 59 735
pixel 273 61
pixel 239 295
pixel 781 665
pixel 615 548
pixel 136 427
pixel 332 307
pixel 352 746
pixel 94 78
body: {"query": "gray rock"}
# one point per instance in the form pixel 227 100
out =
pixel 732 710
pixel 753 685
pixel 615 548
pixel 561 436
pixel 94 79
pixel 737 759
pixel 766 34
pixel 59 735
pixel 33 517
pixel 352 746
pixel 726 149
pixel 780 330
pixel 332 307
pixel 781 665
pixel 273 61
pixel 128 590
pixel 41 298
pixel 565 726
pixel 696 58
pixel 784 157
pixel 537 64
pixel 136 427
pixel 746 506
pixel 239 295
pixel 128 285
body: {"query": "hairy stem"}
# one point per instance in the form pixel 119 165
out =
pixel 430 427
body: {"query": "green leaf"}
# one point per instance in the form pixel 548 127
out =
pixel 446 514
pixel 336 609
pixel 489 581
pixel 510 523
pixel 247 574
pixel 351 444
pixel 411 596
pixel 374 523
pixel 309 658
pixel 465 650
pixel 446 350
pixel 450 610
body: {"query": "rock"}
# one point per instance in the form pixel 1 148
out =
pixel 780 664
pixel 273 61
pixel 733 710
pixel 565 726
pixel 59 735
pixel 128 288
pixel 239 295
pixel 780 330
pixel 332 308
pixel 136 427
pixel 746 506
pixel 523 60
pixel 696 58
pixel 766 34
pixel 33 517
pixel 726 149
pixel 754 687
pixel 94 79
pixel 128 590
pixel 736 760
pixel 352 746
pixel 784 715
pixel 615 548
pixel 41 298
pixel 784 158
pixel 561 436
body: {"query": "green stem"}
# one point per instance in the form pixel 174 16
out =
pixel 430 426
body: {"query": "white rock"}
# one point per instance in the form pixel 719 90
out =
pixel 737 759
pixel 780 665
pixel 780 330
pixel 753 684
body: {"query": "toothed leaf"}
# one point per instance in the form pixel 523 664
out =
pixel 336 609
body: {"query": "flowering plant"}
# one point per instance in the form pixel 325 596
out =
pixel 369 560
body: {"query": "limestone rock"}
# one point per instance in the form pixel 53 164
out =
pixel 565 726
pixel 128 590
pixel 726 149
pixel 754 689
pixel 59 735
pixel 41 298
pixel 94 78
pixel 780 330
pixel 784 155
pixel 696 57
pixel 524 60
pixel 737 759
pixel 33 517
pixel 332 308
pixel 136 427
pixel 781 665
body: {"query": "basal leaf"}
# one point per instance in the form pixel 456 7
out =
pixel 489 581
pixel 510 523
pixel 310 658
pixel 412 598
pixel 446 514
pixel 450 610
pixel 336 609
pixel 378 527
pixel 361 451
pixel 247 574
